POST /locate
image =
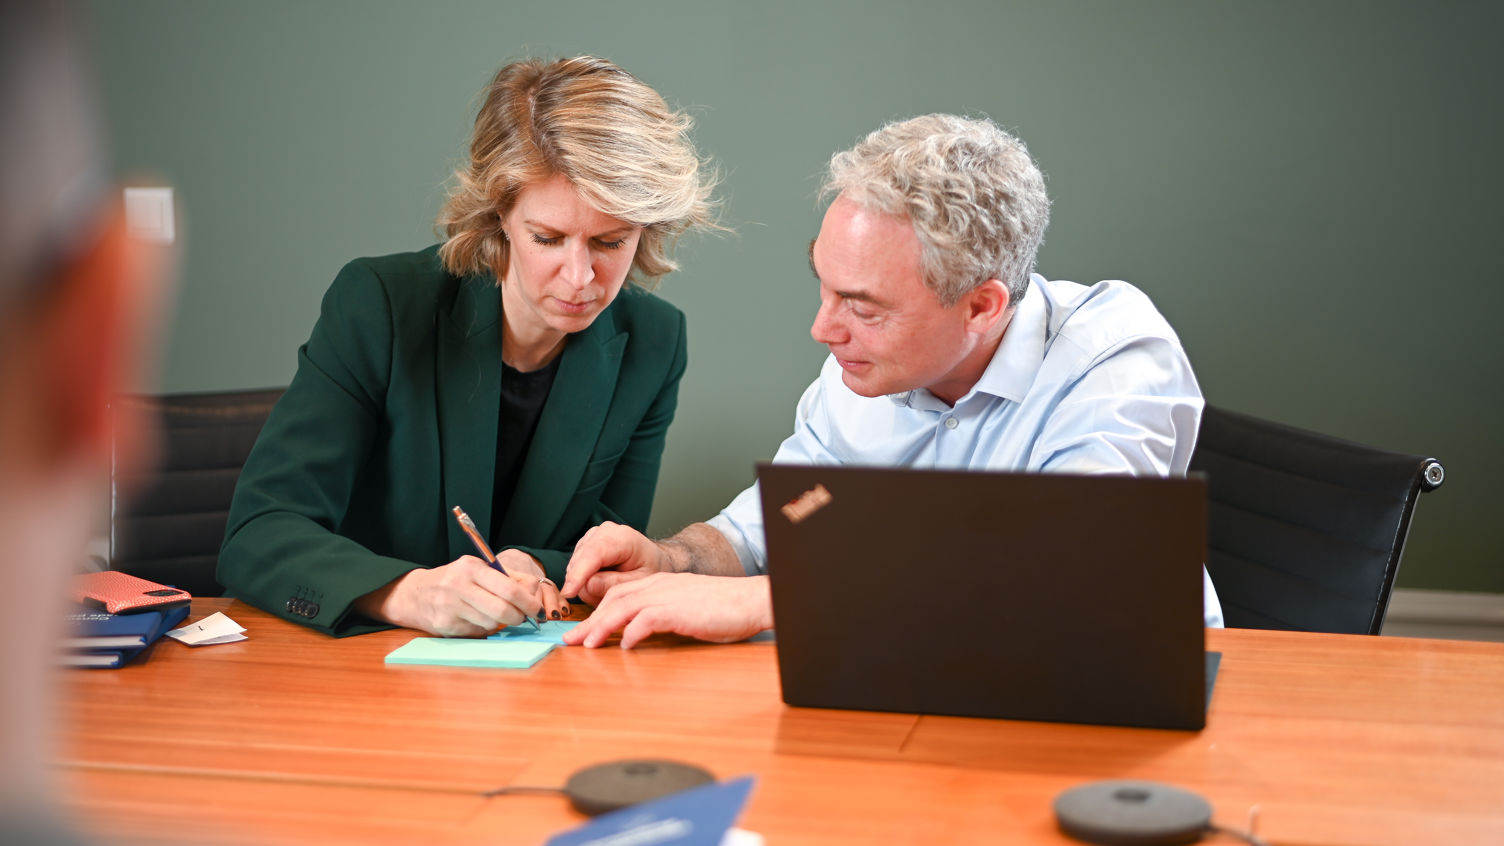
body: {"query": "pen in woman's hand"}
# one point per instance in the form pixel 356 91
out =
pixel 468 526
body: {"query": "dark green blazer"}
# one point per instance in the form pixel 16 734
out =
pixel 392 419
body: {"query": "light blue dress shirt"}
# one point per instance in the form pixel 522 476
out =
pixel 1085 380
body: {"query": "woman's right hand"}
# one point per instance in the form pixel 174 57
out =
pixel 464 598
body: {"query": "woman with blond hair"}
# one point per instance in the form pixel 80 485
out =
pixel 510 371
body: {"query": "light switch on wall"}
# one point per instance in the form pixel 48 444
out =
pixel 148 214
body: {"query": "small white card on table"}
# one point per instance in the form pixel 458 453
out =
pixel 215 628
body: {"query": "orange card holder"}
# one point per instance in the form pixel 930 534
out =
pixel 120 593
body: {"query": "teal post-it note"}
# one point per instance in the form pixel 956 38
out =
pixel 469 652
pixel 551 631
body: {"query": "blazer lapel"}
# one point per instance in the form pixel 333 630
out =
pixel 468 382
pixel 568 429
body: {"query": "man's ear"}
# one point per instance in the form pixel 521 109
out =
pixel 986 307
pixel 89 336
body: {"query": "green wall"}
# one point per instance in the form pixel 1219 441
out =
pixel 1309 190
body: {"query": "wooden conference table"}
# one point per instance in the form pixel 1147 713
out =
pixel 294 737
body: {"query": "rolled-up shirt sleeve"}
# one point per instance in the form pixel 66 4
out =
pixel 741 524
pixel 741 521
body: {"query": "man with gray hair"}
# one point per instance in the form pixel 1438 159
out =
pixel 946 351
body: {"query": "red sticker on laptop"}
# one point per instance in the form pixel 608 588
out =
pixel 807 503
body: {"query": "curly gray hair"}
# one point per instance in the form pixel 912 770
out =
pixel 976 199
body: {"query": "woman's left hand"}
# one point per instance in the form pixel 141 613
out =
pixel 527 572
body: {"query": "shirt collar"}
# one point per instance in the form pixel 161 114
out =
pixel 1014 365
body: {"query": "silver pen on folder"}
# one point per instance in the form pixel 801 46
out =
pixel 468 526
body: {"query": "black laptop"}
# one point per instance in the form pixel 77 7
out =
pixel 1028 596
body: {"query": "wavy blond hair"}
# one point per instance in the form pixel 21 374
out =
pixel 975 197
pixel 614 138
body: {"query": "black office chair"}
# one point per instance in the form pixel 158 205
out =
pixel 168 523
pixel 1305 531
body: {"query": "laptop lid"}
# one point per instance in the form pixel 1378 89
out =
pixel 1028 596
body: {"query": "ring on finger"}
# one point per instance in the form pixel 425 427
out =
pixel 546 580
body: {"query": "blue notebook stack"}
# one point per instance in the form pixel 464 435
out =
pixel 105 641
